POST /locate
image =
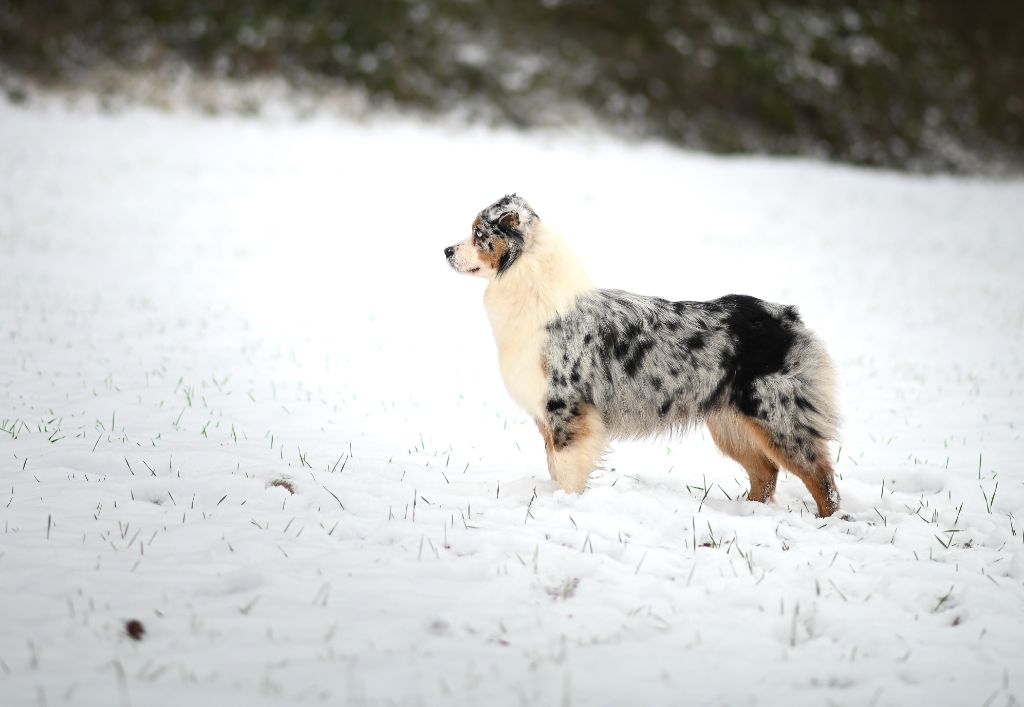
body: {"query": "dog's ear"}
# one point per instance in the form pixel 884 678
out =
pixel 509 221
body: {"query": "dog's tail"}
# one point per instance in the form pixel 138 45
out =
pixel 802 414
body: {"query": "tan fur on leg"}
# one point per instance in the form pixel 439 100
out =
pixel 549 446
pixel 572 465
pixel 817 477
pixel 734 439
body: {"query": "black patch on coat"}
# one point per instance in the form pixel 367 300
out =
pixel 712 401
pixel 760 341
pixel 804 404
pixel 609 339
pixel 623 343
pixel 810 430
pixel 636 357
pixel 601 362
pixel 696 341
pixel 555 405
pixel 514 248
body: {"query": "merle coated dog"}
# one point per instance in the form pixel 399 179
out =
pixel 590 364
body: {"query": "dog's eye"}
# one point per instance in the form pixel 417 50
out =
pixel 477 235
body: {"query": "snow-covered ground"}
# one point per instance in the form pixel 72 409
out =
pixel 197 312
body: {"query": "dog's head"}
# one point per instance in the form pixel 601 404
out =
pixel 501 233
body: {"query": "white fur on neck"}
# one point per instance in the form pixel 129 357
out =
pixel 541 284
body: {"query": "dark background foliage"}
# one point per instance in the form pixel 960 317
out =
pixel 919 84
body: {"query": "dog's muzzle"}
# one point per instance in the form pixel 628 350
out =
pixel 449 252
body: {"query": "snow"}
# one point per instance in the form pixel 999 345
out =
pixel 194 307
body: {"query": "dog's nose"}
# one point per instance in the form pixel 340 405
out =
pixel 449 251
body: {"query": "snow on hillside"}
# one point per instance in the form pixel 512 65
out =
pixel 200 315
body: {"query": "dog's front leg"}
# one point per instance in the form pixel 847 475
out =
pixel 575 440
pixel 549 445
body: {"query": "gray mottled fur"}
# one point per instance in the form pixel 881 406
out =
pixel 649 365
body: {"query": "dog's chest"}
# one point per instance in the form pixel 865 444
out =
pixel 521 343
pixel 523 372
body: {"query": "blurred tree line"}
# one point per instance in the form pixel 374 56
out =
pixel 920 84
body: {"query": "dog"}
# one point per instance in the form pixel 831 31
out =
pixel 591 365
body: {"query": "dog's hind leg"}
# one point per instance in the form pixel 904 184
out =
pixel 736 442
pixel 807 457
pixel 578 440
